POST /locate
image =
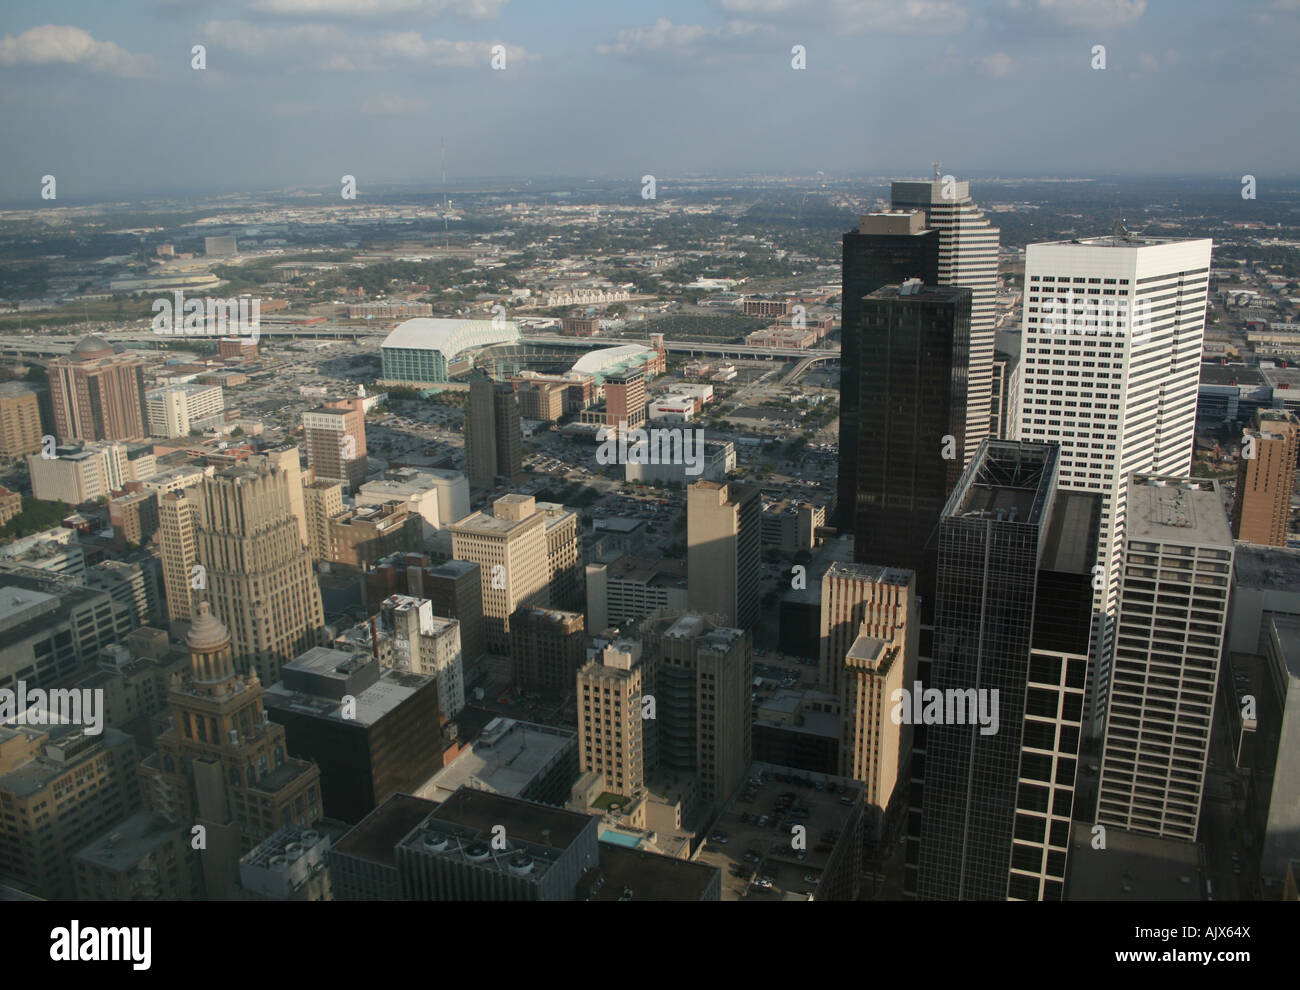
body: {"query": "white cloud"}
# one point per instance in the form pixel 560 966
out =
pixel 863 16
pixel 334 49
pixel 53 44
pixel 478 10
pixel 663 37
pixel 1095 14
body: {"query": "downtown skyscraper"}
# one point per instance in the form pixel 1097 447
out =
pixel 1111 349
pixel 253 565
pixel 913 413
pixel 1000 750
pixel 493 443
pixel 1177 568
pixel 885 249
pixel 968 256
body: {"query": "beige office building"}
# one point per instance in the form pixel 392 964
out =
pixel 527 554
pixel 563 557
pixel 58 789
pixel 20 421
pixel 335 438
pixel 861 600
pixel 257 571
pixel 179 547
pixel 724 529
pixel 701 682
pixel 610 718
pixel 511 550
pixel 323 500
pixel 1266 481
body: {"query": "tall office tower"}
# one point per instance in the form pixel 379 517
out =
pixel 1178 555
pixel 322 501
pixel 886 249
pixel 97 393
pixel 456 591
pixel 179 545
pixel 221 764
pixel 913 414
pixel 1265 481
pixel 968 256
pixel 59 788
pixel 861 600
pixel 610 717
pixel 256 571
pixel 425 643
pixel 287 459
pixel 335 438
pixel 493 441
pixel 1004 705
pixel 547 646
pixel 1110 350
pixel 625 399
pixel 510 548
pixel 724 531
pixel 20 421
pixel 879 603
pixel 702 676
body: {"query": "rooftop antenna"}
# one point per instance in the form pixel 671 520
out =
pixel 937 171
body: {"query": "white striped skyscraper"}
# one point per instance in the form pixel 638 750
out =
pixel 1110 358
pixel 968 256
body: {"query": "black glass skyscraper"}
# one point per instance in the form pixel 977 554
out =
pixel 912 401
pixel 886 249
pixel 1015 564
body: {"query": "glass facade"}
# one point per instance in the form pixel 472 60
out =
pixel 912 385
pixel 989 542
pixel 870 262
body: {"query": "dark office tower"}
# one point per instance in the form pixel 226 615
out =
pixel 493 441
pixel 1004 707
pixel 886 249
pixel 456 591
pixel 968 256
pixel 912 383
pixel 548 648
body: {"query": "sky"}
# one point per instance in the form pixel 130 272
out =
pixel 298 93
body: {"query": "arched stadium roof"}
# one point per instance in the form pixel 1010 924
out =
pixel 450 337
pixel 607 359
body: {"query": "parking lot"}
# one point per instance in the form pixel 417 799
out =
pixel 753 840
